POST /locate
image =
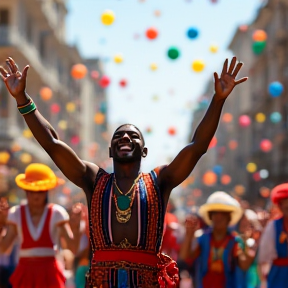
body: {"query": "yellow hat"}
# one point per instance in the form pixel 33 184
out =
pixel 221 201
pixel 38 177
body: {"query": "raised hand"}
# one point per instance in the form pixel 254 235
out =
pixel 14 80
pixel 226 83
pixel 76 216
pixel 191 224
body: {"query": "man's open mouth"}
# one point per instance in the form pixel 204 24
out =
pixel 125 147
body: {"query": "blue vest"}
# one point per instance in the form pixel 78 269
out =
pixel 202 261
pixel 278 275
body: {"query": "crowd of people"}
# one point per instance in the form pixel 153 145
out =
pixel 125 213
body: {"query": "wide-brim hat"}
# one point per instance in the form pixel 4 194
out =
pixel 221 201
pixel 38 177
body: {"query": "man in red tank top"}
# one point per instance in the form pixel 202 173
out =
pixel 37 226
pixel 133 203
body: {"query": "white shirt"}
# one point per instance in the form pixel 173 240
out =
pixel 59 215
pixel 267 248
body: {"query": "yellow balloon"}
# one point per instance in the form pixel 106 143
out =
pixel 4 157
pixel 153 67
pixel 62 124
pixel 108 17
pixel 27 133
pixel 251 167
pixel 198 65
pixel 118 58
pixel 213 48
pixel 70 107
pixel 260 117
pixel 26 158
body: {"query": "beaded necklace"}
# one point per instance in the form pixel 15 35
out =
pixel 123 203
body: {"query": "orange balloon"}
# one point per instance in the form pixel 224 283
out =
pixel 78 71
pixel 259 36
pixel 225 179
pixel 99 118
pixel 172 131
pixel 233 144
pixel 4 157
pixel 151 33
pixel 227 117
pixel 46 93
pixel 209 178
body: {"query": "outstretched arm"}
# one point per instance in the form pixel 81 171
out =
pixel 179 169
pixel 79 172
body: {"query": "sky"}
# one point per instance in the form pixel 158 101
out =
pixel 166 97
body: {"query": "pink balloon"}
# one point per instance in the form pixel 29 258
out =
pixel 55 108
pixel 123 83
pixel 94 75
pixel 104 81
pixel 266 145
pixel 244 121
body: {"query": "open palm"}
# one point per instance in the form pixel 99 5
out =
pixel 14 80
pixel 226 83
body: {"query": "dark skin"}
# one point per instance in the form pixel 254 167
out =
pixel 126 163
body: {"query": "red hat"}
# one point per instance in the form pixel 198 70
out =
pixel 279 192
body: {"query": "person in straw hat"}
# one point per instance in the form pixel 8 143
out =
pixel 273 248
pixel 217 250
pixel 37 226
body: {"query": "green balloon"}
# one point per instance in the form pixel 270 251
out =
pixel 258 47
pixel 173 53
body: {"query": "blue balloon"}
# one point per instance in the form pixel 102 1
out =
pixel 275 117
pixel 217 169
pixel 192 33
pixel 275 89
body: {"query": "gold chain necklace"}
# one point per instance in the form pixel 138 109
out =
pixel 134 183
pixel 123 216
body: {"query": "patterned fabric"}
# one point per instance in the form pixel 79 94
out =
pixel 278 275
pixel 150 230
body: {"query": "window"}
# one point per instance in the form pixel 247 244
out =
pixel 4 17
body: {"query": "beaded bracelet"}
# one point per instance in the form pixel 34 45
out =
pixel 27 108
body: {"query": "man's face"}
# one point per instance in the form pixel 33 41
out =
pixel 127 145
pixel 36 199
pixel 220 219
pixel 283 206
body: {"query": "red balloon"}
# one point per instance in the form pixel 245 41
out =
pixel 266 145
pixel 152 33
pixel 209 178
pixel 213 142
pixel 225 179
pixel 244 121
pixel 123 83
pixel 104 81
pixel 256 176
pixel 172 131
pixel 75 140
pixel 55 108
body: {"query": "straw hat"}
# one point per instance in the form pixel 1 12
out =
pixel 221 201
pixel 38 177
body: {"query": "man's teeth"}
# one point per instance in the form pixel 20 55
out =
pixel 125 148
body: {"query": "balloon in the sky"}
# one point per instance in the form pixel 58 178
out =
pixel 233 144
pixel 118 58
pixel 173 53
pixel 259 36
pixel 225 179
pixel 213 48
pixel 123 83
pixel 243 28
pixel 46 93
pixel 244 121
pixel 104 81
pixel 198 65
pixel 251 167
pixel 209 178
pixel 275 89
pixel 153 66
pixel 157 13
pixel 107 17
pixel 78 71
pixel 55 108
pixel 218 169
pixel 266 145
pixel 275 117
pixel 260 117
pixel 94 74
pixel 227 117
pixel 258 47
pixel 172 131
pixel 192 33
pixel 151 33
pixel 99 118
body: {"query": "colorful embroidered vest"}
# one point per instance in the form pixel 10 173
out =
pixel 150 231
pixel 278 275
pixel 202 261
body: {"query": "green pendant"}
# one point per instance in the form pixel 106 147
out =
pixel 123 202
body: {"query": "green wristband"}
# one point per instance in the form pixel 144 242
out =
pixel 28 109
